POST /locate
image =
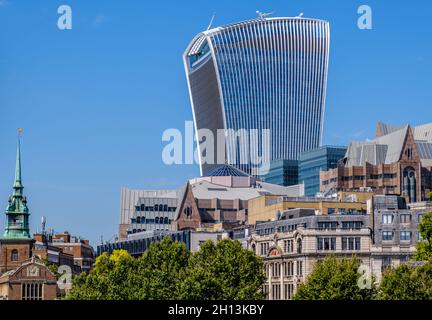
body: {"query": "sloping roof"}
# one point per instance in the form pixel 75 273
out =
pixel 227 171
pixel 207 190
pixel 386 149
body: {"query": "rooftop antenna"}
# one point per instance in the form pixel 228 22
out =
pixel 211 22
pixel 263 15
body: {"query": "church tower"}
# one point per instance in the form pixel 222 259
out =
pixel 16 243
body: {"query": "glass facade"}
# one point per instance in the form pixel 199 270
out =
pixel 283 172
pixel 261 74
pixel 313 161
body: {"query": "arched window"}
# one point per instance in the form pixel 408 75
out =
pixel 157 220
pixel 138 220
pixel 14 255
pixel 160 207
pixel 166 220
pixel 299 246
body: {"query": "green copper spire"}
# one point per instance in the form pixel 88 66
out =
pixel 17 213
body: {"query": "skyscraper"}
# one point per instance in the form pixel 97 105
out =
pixel 267 73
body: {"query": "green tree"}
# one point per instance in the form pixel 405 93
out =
pixel 161 271
pixel 406 282
pixel 424 247
pixel 335 279
pixel 225 271
pixel 112 278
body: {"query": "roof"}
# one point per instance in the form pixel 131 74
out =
pixel 227 171
pixel 383 150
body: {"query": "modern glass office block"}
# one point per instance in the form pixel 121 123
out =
pixel 313 161
pixel 260 74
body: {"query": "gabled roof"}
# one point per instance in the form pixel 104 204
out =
pixel 383 150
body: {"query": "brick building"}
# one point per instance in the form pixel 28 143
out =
pixel 397 162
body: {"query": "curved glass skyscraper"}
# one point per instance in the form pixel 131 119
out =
pixel 261 74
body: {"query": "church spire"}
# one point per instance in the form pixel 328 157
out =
pixel 18 187
pixel 17 213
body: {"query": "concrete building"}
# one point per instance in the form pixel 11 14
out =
pixel 314 161
pixel 252 75
pixel 270 207
pixel 147 210
pixel 397 162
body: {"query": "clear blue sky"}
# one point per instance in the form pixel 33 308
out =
pixel 95 100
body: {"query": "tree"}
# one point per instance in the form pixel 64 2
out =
pixel 225 271
pixel 429 196
pixel 110 279
pixel 161 270
pixel 335 279
pixel 424 247
pixel 168 271
pixel 407 282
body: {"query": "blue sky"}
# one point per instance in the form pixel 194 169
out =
pixel 94 100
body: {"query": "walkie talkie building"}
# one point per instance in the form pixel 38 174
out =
pixel 261 74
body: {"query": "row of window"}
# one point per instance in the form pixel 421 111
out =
pixel 329 243
pixel 156 220
pixel 389 218
pixel 156 207
pixel 333 225
pixel 276 269
pixel 403 235
pixel 276 291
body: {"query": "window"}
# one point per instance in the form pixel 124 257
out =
pixel 326 243
pixel 331 210
pixel 14 255
pixel 276 270
pixel 356 225
pixel 351 243
pixel 288 269
pixel 276 291
pixel 386 263
pixel 31 291
pixel 266 291
pixel 327 225
pixel 288 246
pixel 405 236
pixel 288 291
pixel 387 218
pixel 299 268
pixel 405 218
pixel 299 246
pixel 387 235
pixel 264 248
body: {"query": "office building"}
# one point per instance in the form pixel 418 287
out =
pixel 397 162
pixel 283 172
pixel 147 210
pixel 314 161
pixel 293 244
pixel 267 73
pixel 395 232
pixel 270 207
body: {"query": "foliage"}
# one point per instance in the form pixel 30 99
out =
pixel 224 271
pixel 168 271
pixel 335 279
pixel 407 282
pixel 424 247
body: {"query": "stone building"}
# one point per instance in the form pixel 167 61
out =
pixel 397 162
pixel 32 280
pixel 292 245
